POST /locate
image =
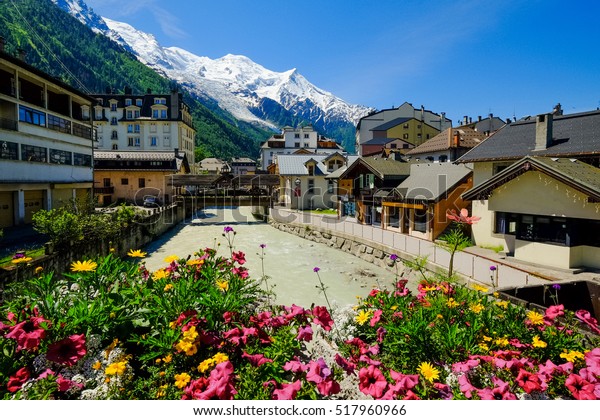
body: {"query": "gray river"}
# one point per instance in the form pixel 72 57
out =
pixel 289 260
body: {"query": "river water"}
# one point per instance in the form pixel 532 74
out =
pixel 289 260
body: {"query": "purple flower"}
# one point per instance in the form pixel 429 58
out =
pixel 493 268
pixel 393 257
pixel 19 255
pixel 228 229
pixel 556 286
pixel 316 269
pixel 263 246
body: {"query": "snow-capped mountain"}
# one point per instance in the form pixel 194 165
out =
pixel 246 89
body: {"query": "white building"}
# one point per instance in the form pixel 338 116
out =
pixel 46 136
pixel 294 140
pixel 148 122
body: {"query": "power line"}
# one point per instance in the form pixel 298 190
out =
pixel 41 40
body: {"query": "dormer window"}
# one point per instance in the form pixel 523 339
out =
pixel 138 102
pixel 128 102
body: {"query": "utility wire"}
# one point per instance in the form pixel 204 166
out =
pixel 41 40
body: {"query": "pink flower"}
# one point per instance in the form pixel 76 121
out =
pixel 372 382
pixel 464 366
pixel 580 388
pixel 348 367
pixel 463 217
pixel 239 257
pixel 592 359
pixel 405 382
pixel 287 391
pixel 318 371
pixel 67 351
pixel 322 317
pixel 305 333
pixel 240 271
pixel 256 359
pixel 376 317
pixel 220 383
pixel 66 384
pixel 328 387
pixel 465 386
pixel 294 366
pixel 444 391
pixel 381 332
pixel 18 379
pixel 554 312
pixel 529 381
pixel 587 319
pixel 29 334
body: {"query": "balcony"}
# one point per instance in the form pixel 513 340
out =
pixel 8 124
pixel 104 190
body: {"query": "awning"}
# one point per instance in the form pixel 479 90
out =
pixel 403 205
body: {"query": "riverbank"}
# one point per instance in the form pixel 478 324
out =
pixel 288 260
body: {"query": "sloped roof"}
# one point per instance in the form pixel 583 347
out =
pixel 379 141
pixel 296 164
pixel 133 155
pixel 573 135
pixel 468 138
pixel 572 172
pixel 391 124
pixel 387 167
pixel 431 181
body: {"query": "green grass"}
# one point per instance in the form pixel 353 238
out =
pixel 495 248
pixel 33 253
pixel 323 211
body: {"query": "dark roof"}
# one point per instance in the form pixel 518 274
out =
pixel 573 135
pixel 116 159
pixel 431 181
pixel 572 172
pixel 378 141
pixel 391 124
pixel 382 167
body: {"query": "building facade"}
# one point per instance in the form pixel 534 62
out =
pixel 293 140
pixel 148 122
pixel 46 137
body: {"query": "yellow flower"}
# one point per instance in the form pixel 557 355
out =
pixel 220 358
pixel 112 250
pixel 21 260
pixel 535 318
pixel 483 346
pixel 429 372
pixel 362 317
pixel 197 261
pixel 502 342
pixel 429 288
pixel 168 287
pixel 496 294
pixel 171 258
pixel 97 365
pixel 88 265
pixel 440 316
pixel 393 308
pixel 477 308
pixel 117 368
pixel 222 285
pixel 159 274
pixel 538 343
pixel 480 288
pixel 486 338
pixel 205 365
pixel 572 355
pixel 501 303
pixel 451 303
pixel 167 359
pixel 182 380
pixel 187 347
pixel 137 253
pixel 191 334
pixel 38 270
pixel 161 391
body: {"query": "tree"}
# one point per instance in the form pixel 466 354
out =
pixel 457 239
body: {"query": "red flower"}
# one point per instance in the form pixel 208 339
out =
pixel 528 381
pixel 239 257
pixel 305 333
pixel 16 382
pixel 318 371
pixel 328 387
pixel 372 382
pixel 256 359
pixel 322 317
pixel 240 271
pixel 580 388
pixel 554 312
pixel 376 317
pixel 348 367
pixel 67 351
pixel 586 318
pixel 28 334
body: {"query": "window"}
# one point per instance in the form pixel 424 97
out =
pixel 130 128
pixel 505 223
pixel 167 141
pixel 405 136
pixel 297 144
pixel 420 221
pixel 443 158
pixel 60 157
pixel 153 128
pixel 419 136
pixel 160 101
pixel 32 116
pixel 306 136
pixel 80 159
pixel 98 113
pixel 9 150
pixel 136 128
pixel 405 146
pixel 297 135
pixel 418 125
pixel 155 114
pixel 115 147
pixel 142 183
pixel 106 182
pixel 499 167
pixel 129 114
pixel 59 124
pixel 405 126
pixel 393 146
pixel 128 102
pixel 113 121
pixel 311 170
pixel 124 181
pixel 138 102
pixel 166 128
pixel 330 186
pixel 370 181
pixel 163 114
pixel 130 141
pixel 153 141
pixel 136 114
pixel 114 135
pixel 311 186
pixel 306 145
pixel 33 153
pixel 137 142
pixel 113 107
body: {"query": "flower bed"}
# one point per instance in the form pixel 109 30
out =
pixel 201 328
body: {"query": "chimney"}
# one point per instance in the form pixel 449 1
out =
pixel 543 132
pixel 175 98
pixel 456 139
pixel 465 120
pixel 557 109
pixel 479 118
pixel 2 43
pixel 176 152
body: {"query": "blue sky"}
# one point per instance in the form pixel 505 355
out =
pixel 473 57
